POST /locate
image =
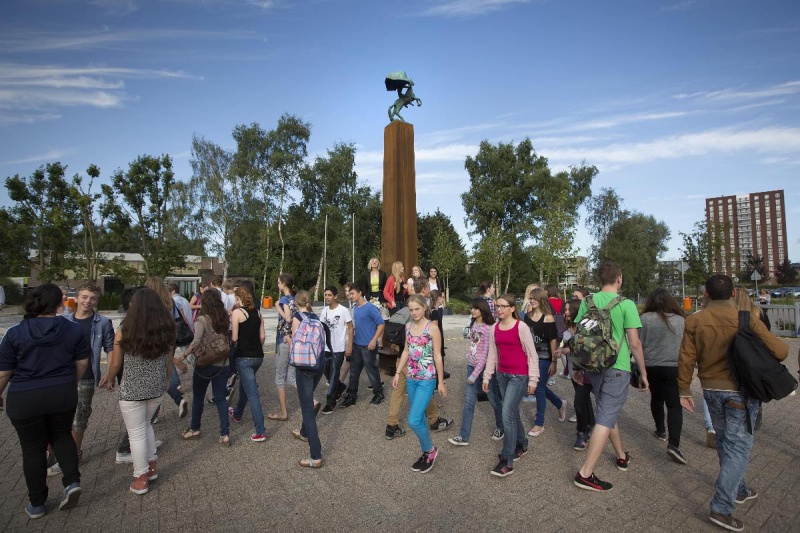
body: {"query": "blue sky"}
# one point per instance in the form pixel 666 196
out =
pixel 673 100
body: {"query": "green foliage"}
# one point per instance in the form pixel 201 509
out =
pixel 786 274
pixel 554 242
pixel 42 204
pixel 459 307
pixel 139 199
pixel 753 263
pixel 14 294
pixel 109 301
pixel 635 242
pixel 15 239
pixel 603 210
pixel 440 245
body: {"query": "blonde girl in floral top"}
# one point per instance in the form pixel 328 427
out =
pixel 422 361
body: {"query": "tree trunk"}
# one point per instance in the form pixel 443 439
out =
pixel 266 264
pixel 508 279
pixel 280 235
pixel 319 278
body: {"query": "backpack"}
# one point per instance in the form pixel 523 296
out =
pixel 756 372
pixel 308 344
pixel 593 347
pixel 213 348
pixel 183 333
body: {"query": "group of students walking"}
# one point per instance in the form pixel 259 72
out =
pixel 513 353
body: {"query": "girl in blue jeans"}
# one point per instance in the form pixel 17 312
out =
pixel 482 320
pixel 422 362
pixel 247 333
pixel 539 318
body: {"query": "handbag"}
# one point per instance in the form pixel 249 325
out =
pixel 183 333
pixel 635 374
pixel 213 348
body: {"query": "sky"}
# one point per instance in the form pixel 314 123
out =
pixel 674 101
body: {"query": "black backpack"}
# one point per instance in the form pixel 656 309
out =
pixel 757 373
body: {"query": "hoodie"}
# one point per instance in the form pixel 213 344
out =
pixel 42 352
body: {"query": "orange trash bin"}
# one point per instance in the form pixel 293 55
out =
pixel 687 304
pixel 267 302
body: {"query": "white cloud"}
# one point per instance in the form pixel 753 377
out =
pixel 50 155
pixel 116 7
pixel 791 87
pixel 7 119
pixel 681 6
pixel 460 8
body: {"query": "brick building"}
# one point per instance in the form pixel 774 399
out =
pixel 749 224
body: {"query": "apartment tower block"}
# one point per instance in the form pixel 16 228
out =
pixel 749 224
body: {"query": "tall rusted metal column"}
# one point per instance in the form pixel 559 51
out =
pixel 399 227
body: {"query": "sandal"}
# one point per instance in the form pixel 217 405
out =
pixel 190 434
pixel 311 463
pixel 224 441
pixel 278 418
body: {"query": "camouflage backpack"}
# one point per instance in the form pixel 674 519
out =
pixel 593 347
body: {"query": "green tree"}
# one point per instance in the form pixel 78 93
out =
pixel 493 254
pixel 555 241
pixel 753 263
pixel 603 210
pixel 139 199
pixel 512 187
pixel 15 242
pixel 90 263
pixel 786 273
pixel 700 248
pixel 440 245
pixel 635 242
pixel 42 202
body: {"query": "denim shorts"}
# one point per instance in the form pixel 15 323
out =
pixel 610 389
pixel 84 409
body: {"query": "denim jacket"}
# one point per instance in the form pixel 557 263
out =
pixel 102 337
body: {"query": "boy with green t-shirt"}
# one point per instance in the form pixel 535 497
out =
pixel 610 386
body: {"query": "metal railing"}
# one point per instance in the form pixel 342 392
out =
pixel 785 319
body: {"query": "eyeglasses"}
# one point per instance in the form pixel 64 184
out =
pixel 500 306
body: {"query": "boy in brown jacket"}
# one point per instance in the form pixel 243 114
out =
pixel 707 337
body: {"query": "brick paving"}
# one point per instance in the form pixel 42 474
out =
pixel 367 483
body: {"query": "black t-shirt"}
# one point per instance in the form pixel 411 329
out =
pixel 86 327
pixel 543 332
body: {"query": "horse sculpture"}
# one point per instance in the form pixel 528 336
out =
pixel 400 82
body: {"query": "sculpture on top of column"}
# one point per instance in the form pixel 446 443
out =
pixel 400 82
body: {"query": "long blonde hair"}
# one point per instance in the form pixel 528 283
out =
pixel 369 263
pixel 157 284
pixel 397 272
pixel 529 289
pixel 303 300
pixel 744 303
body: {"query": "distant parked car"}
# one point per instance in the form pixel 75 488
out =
pixel 794 292
pixel 778 293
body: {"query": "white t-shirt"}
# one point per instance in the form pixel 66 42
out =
pixel 228 300
pixel 337 320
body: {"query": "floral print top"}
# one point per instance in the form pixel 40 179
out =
pixel 420 354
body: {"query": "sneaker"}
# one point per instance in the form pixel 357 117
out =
pixel 152 471
pixel 502 469
pixel 183 407
pixel 562 413
pixel 573 419
pixel 536 432
pixel 349 400
pixel 328 409
pixel 711 439
pixel 233 416
pixel 660 436
pixel 676 454
pixel 417 466
pixel 751 494
pixel 622 464
pixel 551 382
pixel 441 424
pixel 498 434
pixel 123 458
pixel 519 451
pixel 340 390
pixel 255 437
pixel 591 483
pixel 159 442
pixel 430 459
pixel 377 398
pixel 54 470
pixel 370 385
pixel 394 431
pixel 140 484
pixel 296 434
pixel 35 511
pixel 446 375
pixel 727 521
pixel 457 441
pixel 580 442
pixel 230 396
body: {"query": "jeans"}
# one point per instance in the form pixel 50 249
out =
pixel 363 357
pixel 174 383
pixel 284 372
pixel 496 401
pixel 420 392
pixel 396 403
pixel 137 416
pixel 512 389
pixel 543 392
pixel 707 416
pixel 332 367
pixel 307 381
pixel 584 411
pixel 248 391
pixel 217 377
pixel 470 399
pixel 729 411
pixel 45 427
pixel 664 390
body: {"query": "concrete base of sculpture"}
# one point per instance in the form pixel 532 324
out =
pixel 399 227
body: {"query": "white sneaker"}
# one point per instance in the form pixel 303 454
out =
pixel 123 458
pixel 54 470
pixel 182 408
pixel 458 441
